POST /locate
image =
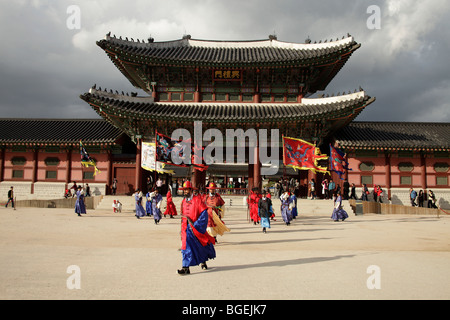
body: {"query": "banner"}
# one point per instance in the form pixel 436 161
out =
pixel 86 160
pixel 338 163
pixel 148 159
pixel 302 155
pixel 178 152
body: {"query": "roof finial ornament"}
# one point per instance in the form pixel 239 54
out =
pixel 273 36
pixel 308 40
pixel 150 39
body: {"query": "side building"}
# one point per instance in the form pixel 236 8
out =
pixel 41 157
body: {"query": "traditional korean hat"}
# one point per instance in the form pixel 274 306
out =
pixel 211 186
pixel 187 185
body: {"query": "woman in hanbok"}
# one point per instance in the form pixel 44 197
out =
pixel 148 205
pixel 80 208
pixel 171 210
pixel 140 212
pixel 156 206
pixel 287 203
pixel 338 212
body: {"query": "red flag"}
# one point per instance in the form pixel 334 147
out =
pixel 302 155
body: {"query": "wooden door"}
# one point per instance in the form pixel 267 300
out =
pixel 125 180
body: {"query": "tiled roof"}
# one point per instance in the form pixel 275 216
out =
pixel 225 53
pixel 218 112
pixel 395 135
pixel 57 131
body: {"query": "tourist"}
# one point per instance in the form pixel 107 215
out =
pixel 287 203
pixel 375 193
pixel 74 188
pixel 10 198
pixel 140 212
pixel 87 190
pixel 379 194
pixel 156 206
pixel 412 197
pixel 171 210
pixel 420 198
pixel 431 200
pixel 325 188
pixel 114 186
pixel 338 212
pixel 365 193
pixel 197 246
pixel 312 184
pixel 159 183
pixel 346 189
pixel 148 204
pixel 353 192
pixel 331 186
pixel 80 207
pixel 215 204
pixel 265 211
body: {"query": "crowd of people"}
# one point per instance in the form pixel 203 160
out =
pixel 202 211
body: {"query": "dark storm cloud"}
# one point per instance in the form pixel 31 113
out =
pixel 45 66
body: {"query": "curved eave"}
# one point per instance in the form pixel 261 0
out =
pixel 225 57
pixel 223 113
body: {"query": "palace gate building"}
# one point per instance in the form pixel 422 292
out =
pixel 262 84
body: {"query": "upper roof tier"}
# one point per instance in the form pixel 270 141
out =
pixel 257 53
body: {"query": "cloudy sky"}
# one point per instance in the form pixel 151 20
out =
pixel 45 65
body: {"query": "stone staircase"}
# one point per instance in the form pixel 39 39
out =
pixel 305 206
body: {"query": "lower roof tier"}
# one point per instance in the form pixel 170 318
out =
pixel 144 108
pixel 389 136
pixel 419 136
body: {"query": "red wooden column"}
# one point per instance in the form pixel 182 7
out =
pixel 138 179
pixel 423 172
pixel 250 176
pixel 109 176
pixel 34 171
pixel 257 183
pixel 2 163
pixel 387 166
pixel 198 178
pixel 68 166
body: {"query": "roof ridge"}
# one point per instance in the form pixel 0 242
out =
pixel 188 41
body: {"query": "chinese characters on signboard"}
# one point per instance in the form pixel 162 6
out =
pixel 227 75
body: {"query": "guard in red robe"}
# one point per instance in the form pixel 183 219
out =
pixel 197 246
pixel 253 200
pixel 170 209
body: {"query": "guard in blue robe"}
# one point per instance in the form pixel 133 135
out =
pixel 197 246
pixel 156 206
pixel 148 205
pixel 140 212
pixel 293 199
pixel 286 207
pixel 80 207
pixel 338 212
